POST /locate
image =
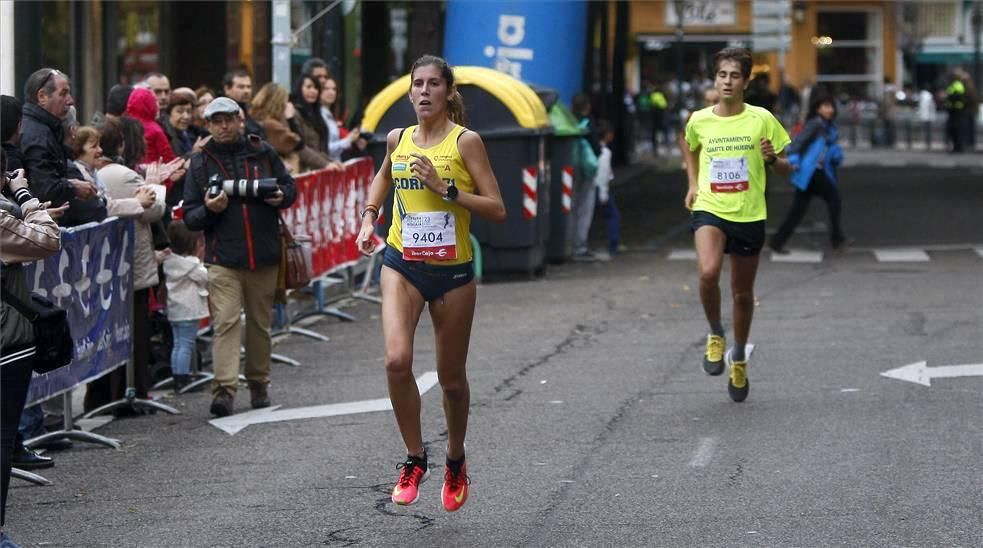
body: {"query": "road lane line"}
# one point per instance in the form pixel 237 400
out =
pixel 901 256
pixel 798 256
pixel 682 255
pixel 703 453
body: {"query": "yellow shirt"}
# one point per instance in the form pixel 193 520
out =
pixel 412 196
pixel 732 170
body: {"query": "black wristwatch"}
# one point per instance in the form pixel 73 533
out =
pixel 451 193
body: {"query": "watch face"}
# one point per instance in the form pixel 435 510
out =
pixel 452 192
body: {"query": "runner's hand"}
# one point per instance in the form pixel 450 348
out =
pixel 767 150
pixel 690 198
pixel 364 239
pixel 426 173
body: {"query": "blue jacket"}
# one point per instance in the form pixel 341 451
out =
pixel 816 140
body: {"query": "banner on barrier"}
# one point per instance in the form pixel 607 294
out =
pixel 327 209
pixel 91 278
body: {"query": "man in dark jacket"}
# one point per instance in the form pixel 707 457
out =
pixel 48 96
pixel 238 86
pixel 242 247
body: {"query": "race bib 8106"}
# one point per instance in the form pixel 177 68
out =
pixel 729 174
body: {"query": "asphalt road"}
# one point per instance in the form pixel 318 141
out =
pixel 592 422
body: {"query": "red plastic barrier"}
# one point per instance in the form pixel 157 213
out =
pixel 327 209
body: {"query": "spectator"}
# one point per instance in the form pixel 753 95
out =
pixel 184 140
pixel 121 181
pixel 310 124
pixel 48 96
pixel 888 112
pixel 117 99
pixel 336 143
pixel 926 113
pixel 88 155
pixel 161 87
pixel 205 95
pixel 177 121
pixel 143 107
pixel 238 86
pixel 243 249
pixel 602 182
pixel 956 105
pixel 760 93
pixel 815 156
pixel 10 118
pixel 584 195
pixel 27 233
pixel 316 67
pixel 187 296
pixel 273 110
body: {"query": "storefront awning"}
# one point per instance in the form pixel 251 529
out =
pixel 944 57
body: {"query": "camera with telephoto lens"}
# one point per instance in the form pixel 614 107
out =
pixel 257 189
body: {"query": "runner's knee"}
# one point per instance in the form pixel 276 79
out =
pixel 744 298
pixel 399 364
pixel 455 387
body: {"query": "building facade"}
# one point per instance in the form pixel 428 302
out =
pixel 849 46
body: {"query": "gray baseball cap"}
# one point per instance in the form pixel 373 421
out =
pixel 221 105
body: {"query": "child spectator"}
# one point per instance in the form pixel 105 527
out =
pixel 187 296
pixel 602 180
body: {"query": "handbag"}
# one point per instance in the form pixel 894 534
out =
pixel 295 259
pixel 53 340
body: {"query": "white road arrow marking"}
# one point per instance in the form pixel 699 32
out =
pixel 920 373
pixel 235 423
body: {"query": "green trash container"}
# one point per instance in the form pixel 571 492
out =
pixel 514 127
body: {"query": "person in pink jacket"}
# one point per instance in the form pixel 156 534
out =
pixel 142 105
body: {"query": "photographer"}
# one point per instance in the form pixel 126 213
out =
pixel 27 233
pixel 233 192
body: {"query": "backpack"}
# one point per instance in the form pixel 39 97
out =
pixel 587 158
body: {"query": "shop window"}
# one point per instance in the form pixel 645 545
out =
pixel 840 25
pixel 55 30
pixel 849 51
pixel 137 49
pixel 846 60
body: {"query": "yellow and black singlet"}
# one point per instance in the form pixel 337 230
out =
pixel 425 227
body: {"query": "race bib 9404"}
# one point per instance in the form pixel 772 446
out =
pixel 729 174
pixel 429 235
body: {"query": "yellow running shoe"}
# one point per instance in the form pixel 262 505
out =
pixel 713 361
pixel 738 385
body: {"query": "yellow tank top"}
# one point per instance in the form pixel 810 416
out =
pixel 413 197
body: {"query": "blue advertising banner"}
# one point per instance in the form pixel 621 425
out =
pixel 540 43
pixel 91 278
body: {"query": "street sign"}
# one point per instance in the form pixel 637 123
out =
pixel 771 28
pixel 772 43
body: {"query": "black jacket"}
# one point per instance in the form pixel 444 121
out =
pixel 246 235
pixel 45 157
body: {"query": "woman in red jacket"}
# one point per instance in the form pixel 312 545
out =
pixel 142 105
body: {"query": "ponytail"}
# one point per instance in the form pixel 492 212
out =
pixel 455 108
